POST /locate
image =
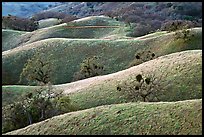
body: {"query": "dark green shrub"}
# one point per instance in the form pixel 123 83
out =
pixel 141 57
pixel 90 67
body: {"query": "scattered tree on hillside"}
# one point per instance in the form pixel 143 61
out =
pixel 177 25
pixel 68 18
pixel 142 56
pixel 89 67
pixel 145 87
pixel 45 102
pixel 184 34
pixel 48 14
pixel 16 23
pixel 139 30
pixel 37 69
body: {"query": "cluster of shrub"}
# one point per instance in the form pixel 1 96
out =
pixel 44 102
pixel 31 24
pixel 149 17
pixel 34 106
pixel 144 17
pixel 17 23
pixel 51 14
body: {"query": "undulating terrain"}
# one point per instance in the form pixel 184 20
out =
pixel 102 105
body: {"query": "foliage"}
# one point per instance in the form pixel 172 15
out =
pixel 177 25
pixel 16 23
pixel 139 30
pixel 145 87
pixel 141 57
pixel 164 118
pixel 89 67
pixel 161 12
pixel 184 35
pixel 68 54
pixel 43 103
pixel 37 69
pixel 48 14
pixel 68 18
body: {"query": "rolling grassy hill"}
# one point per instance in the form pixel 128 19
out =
pixel 8 36
pixel 183 70
pixel 100 107
pixel 163 118
pixel 115 55
pixel 61 31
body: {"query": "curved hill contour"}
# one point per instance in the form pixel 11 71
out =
pixel 163 118
pixel 184 78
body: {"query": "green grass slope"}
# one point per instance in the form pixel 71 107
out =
pixel 48 22
pixel 12 93
pixel 8 36
pixel 61 31
pixel 163 118
pixel 116 55
pixel 184 73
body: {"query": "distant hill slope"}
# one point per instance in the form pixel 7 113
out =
pixel 184 75
pixel 70 31
pixel 25 9
pixel 67 53
pixel 163 118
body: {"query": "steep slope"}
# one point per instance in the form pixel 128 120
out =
pixel 115 55
pixel 183 78
pixel 163 118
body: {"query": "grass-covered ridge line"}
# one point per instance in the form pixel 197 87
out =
pixel 61 31
pixel 163 118
pixel 116 55
pixel 184 74
pixel 13 92
pixel 8 36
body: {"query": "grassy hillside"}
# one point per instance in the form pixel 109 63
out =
pixel 61 31
pixel 48 22
pixel 163 118
pixel 8 36
pixel 116 54
pixel 12 93
pixel 184 73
